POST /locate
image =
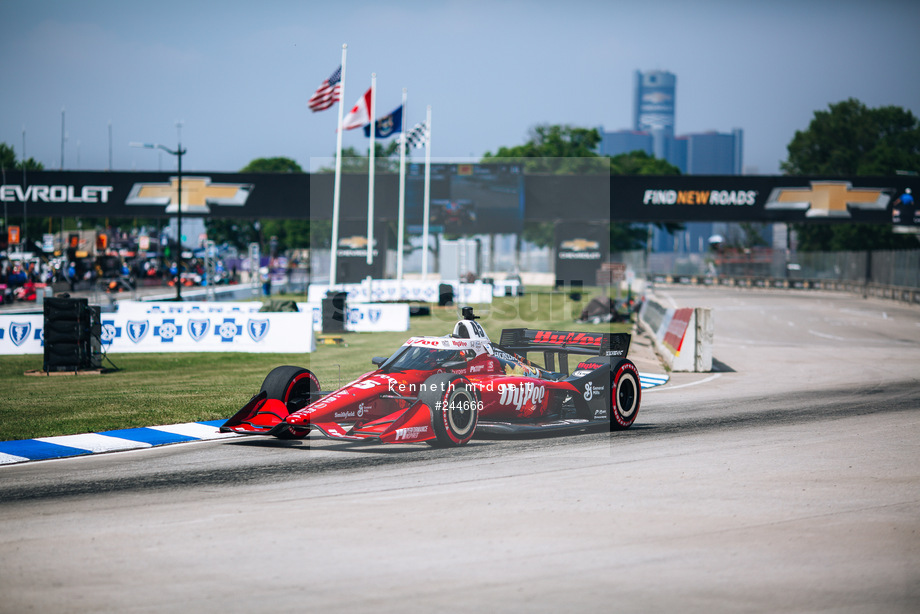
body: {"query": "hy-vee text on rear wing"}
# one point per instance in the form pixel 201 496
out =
pixel 562 343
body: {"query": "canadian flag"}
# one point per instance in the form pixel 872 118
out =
pixel 361 113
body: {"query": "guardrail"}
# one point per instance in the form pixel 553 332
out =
pixel 895 293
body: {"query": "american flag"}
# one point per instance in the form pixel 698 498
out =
pixel 329 92
pixel 418 136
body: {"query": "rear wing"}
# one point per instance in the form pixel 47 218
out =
pixel 563 343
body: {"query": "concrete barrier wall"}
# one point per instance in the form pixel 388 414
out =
pixel 683 336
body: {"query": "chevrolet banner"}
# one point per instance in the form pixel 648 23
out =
pixel 480 198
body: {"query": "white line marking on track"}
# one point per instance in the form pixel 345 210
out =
pixel 702 381
pixel 825 336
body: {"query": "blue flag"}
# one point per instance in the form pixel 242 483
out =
pixel 387 126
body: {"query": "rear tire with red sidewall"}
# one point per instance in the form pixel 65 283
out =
pixel 626 393
pixel 294 387
pixel 454 406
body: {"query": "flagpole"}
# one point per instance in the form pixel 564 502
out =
pixel 402 198
pixel 371 172
pixel 427 194
pixel 336 192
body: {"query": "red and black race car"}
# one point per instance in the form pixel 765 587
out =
pixel 442 390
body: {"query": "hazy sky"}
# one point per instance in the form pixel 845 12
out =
pixel 238 74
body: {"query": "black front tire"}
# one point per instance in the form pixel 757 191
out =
pixel 294 386
pixel 454 405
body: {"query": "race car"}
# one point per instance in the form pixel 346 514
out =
pixel 443 390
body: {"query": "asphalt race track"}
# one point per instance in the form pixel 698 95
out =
pixel 788 480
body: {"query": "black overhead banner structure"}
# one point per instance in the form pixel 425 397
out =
pixel 740 198
pixel 581 247
pixel 465 198
pixel 351 259
pixel 153 195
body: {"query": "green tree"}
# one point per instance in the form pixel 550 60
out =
pixel 289 234
pixel 272 165
pixel 8 160
pixel 7 157
pixel 848 140
pixel 555 149
pixel 626 236
pixel 32 228
pixel 640 163
pixel 851 139
pixel 386 159
pixel 564 149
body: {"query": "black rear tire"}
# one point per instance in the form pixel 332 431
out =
pixel 626 393
pixel 454 405
pixel 294 387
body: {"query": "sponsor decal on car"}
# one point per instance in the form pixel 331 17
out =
pixel 422 342
pixel 411 432
pixel 592 389
pixel 521 395
pixel 326 400
pixel 556 338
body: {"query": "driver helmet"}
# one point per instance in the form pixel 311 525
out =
pixel 469 329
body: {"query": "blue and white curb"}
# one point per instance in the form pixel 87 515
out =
pixel 64 446
pixel 650 380
pixel 45 448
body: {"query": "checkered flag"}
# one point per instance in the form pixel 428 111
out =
pixel 418 136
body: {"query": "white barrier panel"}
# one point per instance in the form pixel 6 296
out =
pixel 128 307
pixel 361 317
pixel 22 334
pixel 683 337
pixel 365 317
pixel 234 332
pixel 410 290
pixel 287 332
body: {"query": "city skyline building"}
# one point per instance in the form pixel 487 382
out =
pixel 701 153
pixel 654 107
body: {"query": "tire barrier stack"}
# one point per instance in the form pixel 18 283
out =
pixel 72 335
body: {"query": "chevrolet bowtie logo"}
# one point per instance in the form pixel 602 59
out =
pixel 579 245
pixel 355 242
pixel 197 194
pixel 828 199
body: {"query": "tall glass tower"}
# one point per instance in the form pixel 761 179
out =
pixel 653 109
